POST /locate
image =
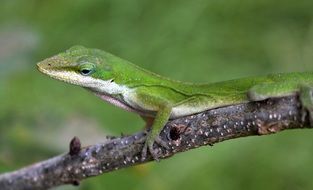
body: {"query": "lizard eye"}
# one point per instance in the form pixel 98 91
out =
pixel 87 69
pixel 85 72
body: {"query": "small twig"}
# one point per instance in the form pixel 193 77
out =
pixel 207 128
pixel 75 146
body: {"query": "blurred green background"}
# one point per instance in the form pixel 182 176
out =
pixel 196 41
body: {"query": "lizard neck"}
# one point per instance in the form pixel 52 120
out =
pixel 119 101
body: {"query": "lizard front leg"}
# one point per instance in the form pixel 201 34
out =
pixel 148 121
pixel 160 101
pixel 151 100
pixel 160 120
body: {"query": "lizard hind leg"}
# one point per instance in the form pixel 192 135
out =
pixel 306 99
pixel 148 121
pixel 271 90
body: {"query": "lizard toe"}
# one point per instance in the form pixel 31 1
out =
pixel 144 152
pixel 304 114
pixel 149 147
pixel 162 143
pixel 153 152
pixel 307 112
pixel 310 111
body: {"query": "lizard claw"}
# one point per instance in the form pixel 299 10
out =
pixel 148 146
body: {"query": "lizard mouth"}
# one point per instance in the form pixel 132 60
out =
pixel 50 67
pixel 65 76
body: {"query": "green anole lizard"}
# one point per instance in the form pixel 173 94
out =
pixel 157 99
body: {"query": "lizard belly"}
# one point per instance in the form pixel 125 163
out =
pixel 184 110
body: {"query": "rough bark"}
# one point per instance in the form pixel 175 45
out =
pixel 206 128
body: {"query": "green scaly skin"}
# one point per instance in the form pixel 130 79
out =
pixel 158 99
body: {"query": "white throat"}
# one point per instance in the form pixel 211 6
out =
pixel 108 87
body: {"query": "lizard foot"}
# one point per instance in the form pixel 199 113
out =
pixel 148 146
pixel 307 112
pixel 306 98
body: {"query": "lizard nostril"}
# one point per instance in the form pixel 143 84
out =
pixel 49 64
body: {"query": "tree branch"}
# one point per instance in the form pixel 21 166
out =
pixel 206 128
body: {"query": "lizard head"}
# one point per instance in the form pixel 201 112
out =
pixel 89 68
